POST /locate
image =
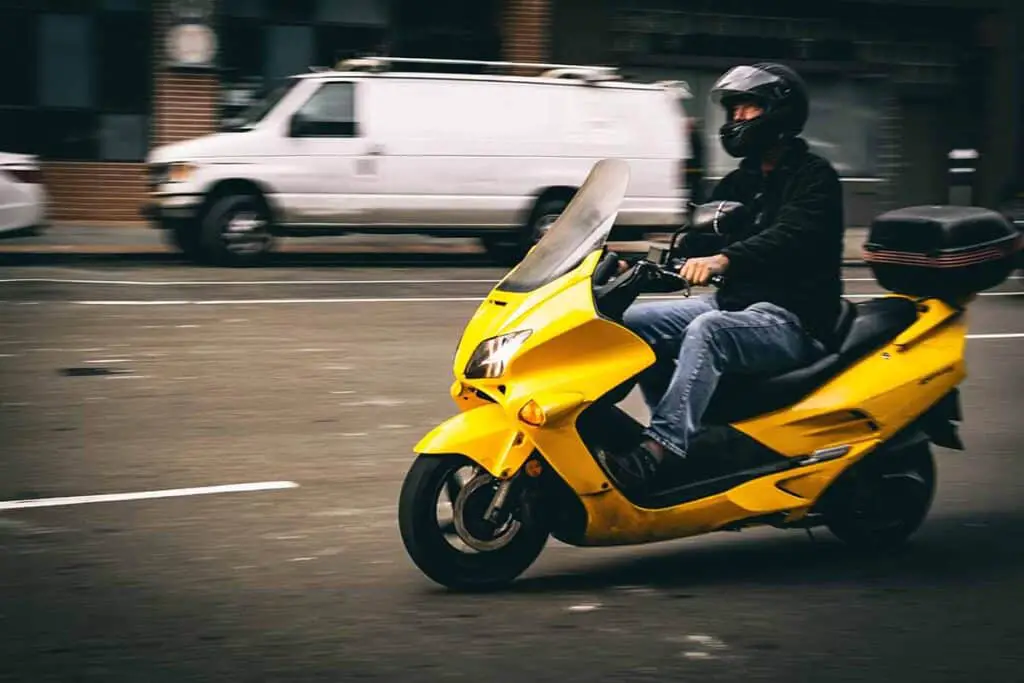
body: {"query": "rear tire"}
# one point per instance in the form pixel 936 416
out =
pixel 881 502
pixel 430 550
pixel 509 250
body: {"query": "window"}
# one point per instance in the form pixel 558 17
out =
pixel 289 51
pixel 264 41
pixel 17 68
pixel 260 107
pixel 330 112
pixel 77 79
pixel 65 61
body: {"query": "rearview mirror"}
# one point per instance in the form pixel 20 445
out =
pixel 719 217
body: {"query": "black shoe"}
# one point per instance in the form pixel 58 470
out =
pixel 633 471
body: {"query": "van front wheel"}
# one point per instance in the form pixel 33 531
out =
pixel 236 231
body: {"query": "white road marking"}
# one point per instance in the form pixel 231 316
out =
pixel 146 495
pixel 1001 335
pixel 378 402
pixel 255 283
pixel 381 300
pixel 217 283
pixel 110 360
pixel 588 607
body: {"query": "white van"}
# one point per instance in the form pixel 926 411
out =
pixel 365 148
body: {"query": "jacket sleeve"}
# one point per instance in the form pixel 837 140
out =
pixel 802 226
pixel 724 188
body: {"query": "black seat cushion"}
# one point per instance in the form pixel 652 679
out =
pixel 872 324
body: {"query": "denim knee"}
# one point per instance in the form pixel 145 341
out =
pixel 639 320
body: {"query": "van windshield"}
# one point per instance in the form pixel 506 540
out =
pixel 258 110
pixel 582 228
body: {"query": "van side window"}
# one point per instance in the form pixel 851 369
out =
pixel 330 112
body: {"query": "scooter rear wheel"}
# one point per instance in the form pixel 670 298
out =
pixel 501 553
pixel 884 500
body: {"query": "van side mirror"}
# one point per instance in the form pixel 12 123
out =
pixel 298 125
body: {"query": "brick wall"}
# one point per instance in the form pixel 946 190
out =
pixel 184 106
pixel 94 192
pixel 526 31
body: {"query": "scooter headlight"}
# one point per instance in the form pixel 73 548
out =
pixel 492 355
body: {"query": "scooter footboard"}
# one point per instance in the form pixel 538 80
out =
pixel 485 435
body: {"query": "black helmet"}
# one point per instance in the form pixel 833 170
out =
pixel 778 90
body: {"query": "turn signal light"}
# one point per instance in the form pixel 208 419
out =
pixel 532 414
pixel 533 468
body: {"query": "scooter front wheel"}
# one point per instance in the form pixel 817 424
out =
pixel 470 552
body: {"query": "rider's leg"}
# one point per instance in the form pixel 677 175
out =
pixel 763 339
pixel 662 325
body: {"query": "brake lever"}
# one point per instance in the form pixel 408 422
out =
pixel 667 280
pixel 676 264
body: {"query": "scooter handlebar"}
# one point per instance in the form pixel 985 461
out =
pixel 675 265
pixel 616 293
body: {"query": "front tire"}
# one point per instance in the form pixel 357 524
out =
pixel 881 502
pixel 236 231
pixel 429 547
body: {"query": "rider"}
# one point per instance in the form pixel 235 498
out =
pixel 782 284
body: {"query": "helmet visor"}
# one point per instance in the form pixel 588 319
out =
pixel 743 80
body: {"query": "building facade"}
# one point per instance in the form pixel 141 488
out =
pixel 91 85
pixel 895 86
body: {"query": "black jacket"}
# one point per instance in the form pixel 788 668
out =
pixel 793 253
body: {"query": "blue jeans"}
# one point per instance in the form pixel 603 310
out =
pixel 762 339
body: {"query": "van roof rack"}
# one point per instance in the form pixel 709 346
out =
pixel 681 88
pixel 580 71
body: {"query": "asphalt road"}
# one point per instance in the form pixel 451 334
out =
pixel 326 376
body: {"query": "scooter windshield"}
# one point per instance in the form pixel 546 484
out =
pixel 582 228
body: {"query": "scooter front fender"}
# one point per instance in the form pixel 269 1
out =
pixel 486 435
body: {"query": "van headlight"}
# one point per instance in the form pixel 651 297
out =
pixel 180 172
pixel 492 355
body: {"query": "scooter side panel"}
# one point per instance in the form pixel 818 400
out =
pixel 614 520
pixel 872 400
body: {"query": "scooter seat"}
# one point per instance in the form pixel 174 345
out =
pixel 868 326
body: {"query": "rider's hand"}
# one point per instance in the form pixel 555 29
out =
pixel 699 271
pixel 623 267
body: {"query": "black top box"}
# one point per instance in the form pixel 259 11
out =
pixel 947 252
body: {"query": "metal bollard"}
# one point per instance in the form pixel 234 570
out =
pixel 963 166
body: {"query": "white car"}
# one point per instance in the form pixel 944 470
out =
pixel 22 194
pixel 366 148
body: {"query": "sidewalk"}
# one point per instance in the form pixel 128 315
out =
pixel 132 240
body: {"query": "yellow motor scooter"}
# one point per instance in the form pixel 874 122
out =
pixel 545 360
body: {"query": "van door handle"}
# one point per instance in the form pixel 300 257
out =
pixel 375 150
